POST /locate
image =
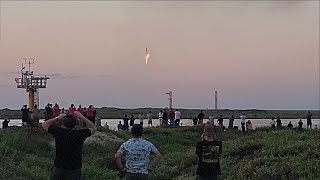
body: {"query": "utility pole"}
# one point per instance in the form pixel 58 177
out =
pixel 216 100
pixel 170 98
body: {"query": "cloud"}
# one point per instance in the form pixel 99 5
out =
pixel 61 76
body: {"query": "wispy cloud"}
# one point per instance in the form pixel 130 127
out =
pixel 61 76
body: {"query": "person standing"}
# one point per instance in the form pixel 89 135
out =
pixel 200 117
pixel 195 121
pixel 211 120
pixel 85 112
pixel 136 152
pixel 131 121
pixel 273 124
pixel 300 123
pixel 165 117
pixel 177 117
pixel 56 110
pixel 160 118
pixel 72 109
pixel 126 123
pixel 5 123
pixel 279 123
pixel 171 117
pixel 25 115
pixel 35 116
pixel 90 113
pixel 68 143
pixel 309 122
pixel 243 122
pixel 290 125
pixel 220 122
pixel 231 120
pixel 208 151
pixel 141 118
pixel 80 109
pixel 149 116
pixel 48 111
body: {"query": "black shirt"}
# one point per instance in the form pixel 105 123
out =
pixel 125 121
pixel 200 116
pixel 5 124
pixel 220 120
pixel 208 153
pixel 165 116
pixel 25 114
pixel 68 146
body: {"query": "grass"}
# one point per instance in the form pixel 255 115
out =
pixel 286 154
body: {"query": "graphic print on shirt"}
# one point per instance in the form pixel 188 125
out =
pixel 210 154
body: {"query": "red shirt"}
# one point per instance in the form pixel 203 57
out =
pixel 80 110
pixel 90 112
pixel 72 110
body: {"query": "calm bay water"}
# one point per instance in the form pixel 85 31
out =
pixel 188 122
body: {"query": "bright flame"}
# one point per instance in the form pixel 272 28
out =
pixel 147 57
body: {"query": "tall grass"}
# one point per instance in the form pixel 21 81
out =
pixel 285 154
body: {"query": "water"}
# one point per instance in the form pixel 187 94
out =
pixel 188 122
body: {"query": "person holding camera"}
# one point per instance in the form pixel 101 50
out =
pixel 136 152
pixel 68 142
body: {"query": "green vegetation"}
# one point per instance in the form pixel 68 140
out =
pixel 116 113
pixel 27 154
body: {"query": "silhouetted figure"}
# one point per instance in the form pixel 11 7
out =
pixel 290 125
pixel 220 122
pixel 309 122
pixel 25 115
pixel 126 123
pixel 200 117
pixel 171 117
pixel 165 117
pixel 195 121
pixel 5 123
pixel 149 116
pixel 48 112
pixel 243 122
pixel 120 126
pixel 131 121
pixel 231 120
pixel 300 123
pixel 279 123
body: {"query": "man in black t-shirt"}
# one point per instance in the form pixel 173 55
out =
pixel 25 115
pixel 208 151
pixel 200 117
pixel 126 123
pixel 68 142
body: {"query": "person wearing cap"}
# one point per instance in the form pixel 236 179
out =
pixel 208 151
pixel 136 152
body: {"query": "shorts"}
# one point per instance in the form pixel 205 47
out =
pixel 65 174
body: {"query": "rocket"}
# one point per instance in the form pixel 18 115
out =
pixel 147 55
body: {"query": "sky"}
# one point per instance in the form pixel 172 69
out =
pixel 256 54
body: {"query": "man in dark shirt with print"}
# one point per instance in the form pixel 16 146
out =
pixel 68 141
pixel 208 151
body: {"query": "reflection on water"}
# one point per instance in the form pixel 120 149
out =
pixel 188 122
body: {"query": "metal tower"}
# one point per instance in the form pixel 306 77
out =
pixel 216 100
pixel 170 98
pixel 30 82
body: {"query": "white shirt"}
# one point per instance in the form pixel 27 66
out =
pixel 243 118
pixel 177 115
pixel 273 122
pixel 160 115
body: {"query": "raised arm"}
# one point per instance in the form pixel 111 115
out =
pixel 86 121
pixel 46 124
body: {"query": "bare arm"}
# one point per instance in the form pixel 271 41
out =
pixel 118 157
pixel 156 160
pixel 87 122
pixel 46 124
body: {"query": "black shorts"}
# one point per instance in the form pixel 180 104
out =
pixel 309 122
pixel 65 174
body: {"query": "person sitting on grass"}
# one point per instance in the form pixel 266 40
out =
pixel 208 151
pixel 106 126
pixel 249 126
pixel 68 142
pixel 136 152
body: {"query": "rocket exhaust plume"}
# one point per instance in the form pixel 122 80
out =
pixel 147 56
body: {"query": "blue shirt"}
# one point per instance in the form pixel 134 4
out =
pixel 137 151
